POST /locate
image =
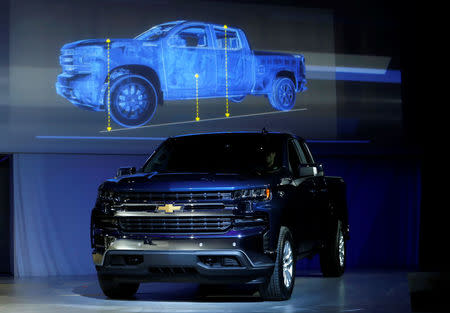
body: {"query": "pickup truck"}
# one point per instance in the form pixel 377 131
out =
pixel 174 61
pixel 219 208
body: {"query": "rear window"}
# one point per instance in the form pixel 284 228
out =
pixel 232 39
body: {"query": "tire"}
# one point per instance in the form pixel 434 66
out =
pixel 333 254
pixel 283 94
pixel 115 290
pixel 133 100
pixel 237 99
pixel 277 287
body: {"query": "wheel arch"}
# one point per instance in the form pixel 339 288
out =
pixel 287 220
pixel 338 201
pixel 287 74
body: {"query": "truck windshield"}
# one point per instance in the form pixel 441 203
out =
pixel 225 153
pixel 156 32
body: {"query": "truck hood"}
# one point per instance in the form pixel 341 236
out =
pixel 97 43
pixel 185 182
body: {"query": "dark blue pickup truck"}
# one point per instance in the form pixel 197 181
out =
pixel 219 208
pixel 162 63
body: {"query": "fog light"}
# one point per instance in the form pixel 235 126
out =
pixel 109 240
pixel 134 259
pixel 230 261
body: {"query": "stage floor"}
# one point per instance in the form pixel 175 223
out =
pixel 354 292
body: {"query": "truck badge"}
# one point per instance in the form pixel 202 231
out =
pixel 169 208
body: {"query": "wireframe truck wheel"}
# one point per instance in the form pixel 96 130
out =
pixel 133 100
pixel 282 97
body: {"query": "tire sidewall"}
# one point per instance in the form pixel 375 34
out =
pixel 339 231
pixel 286 237
pixel 275 90
pixel 329 257
pixel 151 93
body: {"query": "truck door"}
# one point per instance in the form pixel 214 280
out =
pixel 306 206
pixel 321 195
pixel 233 71
pixel 188 52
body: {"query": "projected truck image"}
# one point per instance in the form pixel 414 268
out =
pixel 219 208
pixel 178 60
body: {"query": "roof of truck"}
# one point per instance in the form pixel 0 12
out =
pixel 238 132
pixel 200 22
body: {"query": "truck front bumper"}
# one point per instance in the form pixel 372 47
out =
pixel 82 90
pixel 237 259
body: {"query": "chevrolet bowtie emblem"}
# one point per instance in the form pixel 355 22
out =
pixel 169 208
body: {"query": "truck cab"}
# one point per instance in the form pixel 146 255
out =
pixel 219 208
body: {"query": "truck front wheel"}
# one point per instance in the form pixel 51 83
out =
pixel 133 100
pixel 116 290
pixel 280 284
pixel 283 94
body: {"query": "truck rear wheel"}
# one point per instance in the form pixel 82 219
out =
pixel 332 255
pixel 133 100
pixel 115 290
pixel 281 283
pixel 283 94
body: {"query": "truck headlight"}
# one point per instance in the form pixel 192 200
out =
pixel 253 194
pixel 89 54
pixel 106 195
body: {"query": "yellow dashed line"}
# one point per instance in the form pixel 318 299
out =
pixel 108 128
pixel 227 113
pixel 197 118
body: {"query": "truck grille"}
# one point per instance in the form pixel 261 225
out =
pixel 185 207
pixel 182 224
pixel 137 197
pixel 66 60
pixel 71 63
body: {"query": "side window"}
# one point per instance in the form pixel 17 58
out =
pixel 308 154
pixel 233 42
pixel 294 161
pixel 192 37
pixel 301 153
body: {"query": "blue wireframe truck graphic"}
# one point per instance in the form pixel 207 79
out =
pixel 161 63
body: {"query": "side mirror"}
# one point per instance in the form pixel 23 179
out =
pixel 123 171
pixel 319 169
pixel 305 171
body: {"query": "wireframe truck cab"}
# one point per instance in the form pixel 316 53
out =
pixel 161 65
